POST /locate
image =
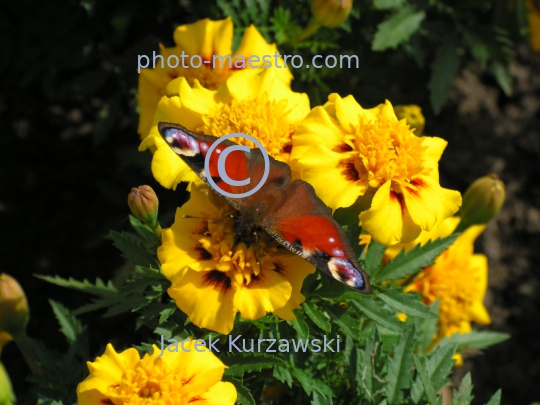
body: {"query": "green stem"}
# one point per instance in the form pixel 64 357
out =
pixel 461 226
pixel 23 343
pixel 308 31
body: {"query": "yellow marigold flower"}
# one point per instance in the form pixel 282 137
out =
pixel 205 39
pixel 458 279
pixel 252 102
pixel 214 275
pixel 534 24
pixel 175 378
pixel 346 151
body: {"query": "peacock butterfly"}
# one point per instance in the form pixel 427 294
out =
pixel 289 211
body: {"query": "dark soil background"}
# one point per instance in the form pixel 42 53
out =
pixel 68 158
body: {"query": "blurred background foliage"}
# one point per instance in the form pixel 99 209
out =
pixel 69 155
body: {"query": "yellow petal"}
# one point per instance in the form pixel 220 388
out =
pixel 222 393
pixel 434 147
pixel 191 288
pixel 204 368
pixel 322 168
pixel 386 221
pixel 205 37
pixel 294 269
pixel 265 293
pixel 428 203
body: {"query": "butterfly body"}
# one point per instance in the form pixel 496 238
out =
pixel 288 210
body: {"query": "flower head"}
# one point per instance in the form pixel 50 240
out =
pixel 14 312
pixel 201 42
pixel 458 278
pixel 176 378
pixel 252 102
pixel 347 152
pixel 215 273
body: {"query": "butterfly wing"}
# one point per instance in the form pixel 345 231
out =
pixel 304 224
pixel 294 215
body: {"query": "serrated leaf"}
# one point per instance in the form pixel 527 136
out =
pixel 317 316
pixel 477 340
pixel 415 260
pixel 310 384
pixel 300 326
pixel 387 4
pixel 283 374
pixel 99 288
pixel 374 257
pixel 244 397
pixel 440 364
pixel 400 367
pixel 238 364
pixel 382 316
pixel 406 303
pixel 320 399
pixel 365 368
pixel 443 71
pixel 132 249
pixel 69 325
pixel 503 76
pixel 421 367
pixel 397 29
pixel 343 326
pixel 495 399
pixel 144 232
pixel 463 396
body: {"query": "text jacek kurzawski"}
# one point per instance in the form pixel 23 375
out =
pixel 240 345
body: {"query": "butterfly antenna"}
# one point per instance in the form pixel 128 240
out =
pixel 221 219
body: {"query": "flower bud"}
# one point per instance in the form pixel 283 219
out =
pixel 7 397
pixel 482 200
pixel 331 13
pixel 14 313
pixel 144 203
pixel 413 114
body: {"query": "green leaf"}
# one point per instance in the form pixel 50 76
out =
pixel 495 399
pixel 382 316
pixel 397 29
pixel 310 384
pixel 365 368
pixel 238 364
pixel 387 4
pixel 132 249
pixel 477 340
pixel 320 399
pixel 415 260
pixel 300 326
pixel 400 367
pixel 464 395
pixel 374 257
pixel 443 71
pixel 283 374
pixel 343 325
pixel 503 76
pixel 409 304
pixel 144 231
pixel 421 367
pixel 69 325
pixel 244 396
pixel 317 316
pixel 99 288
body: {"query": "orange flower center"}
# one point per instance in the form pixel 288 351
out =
pixel 218 241
pixel 382 150
pixel 265 120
